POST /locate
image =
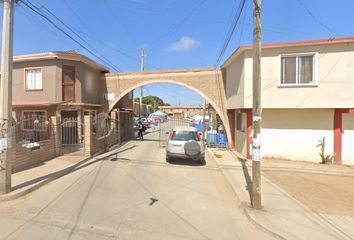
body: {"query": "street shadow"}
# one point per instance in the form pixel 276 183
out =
pixel 82 164
pixel 248 178
pixel 186 162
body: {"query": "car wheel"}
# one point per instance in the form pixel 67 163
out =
pixel 168 159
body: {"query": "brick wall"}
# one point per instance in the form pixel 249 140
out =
pixel 23 158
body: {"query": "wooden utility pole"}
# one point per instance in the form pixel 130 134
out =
pixel 142 68
pixel 6 96
pixel 257 107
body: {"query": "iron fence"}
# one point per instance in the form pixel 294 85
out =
pixel 32 130
pixel 107 129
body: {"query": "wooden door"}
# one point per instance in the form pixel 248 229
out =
pixel 68 83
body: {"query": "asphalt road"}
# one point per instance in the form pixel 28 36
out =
pixel 134 195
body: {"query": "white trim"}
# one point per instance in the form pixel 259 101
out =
pixel 297 84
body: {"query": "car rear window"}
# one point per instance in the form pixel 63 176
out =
pixel 184 135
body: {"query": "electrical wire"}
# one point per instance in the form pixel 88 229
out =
pixel 231 31
pixel 36 10
pixel 183 20
pixel 329 29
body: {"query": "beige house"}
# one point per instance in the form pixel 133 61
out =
pixel 183 111
pixel 307 94
pixel 57 90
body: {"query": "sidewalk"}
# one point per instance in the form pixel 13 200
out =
pixel 30 179
pixel 282 214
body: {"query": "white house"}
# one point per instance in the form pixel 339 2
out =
pixel 307 94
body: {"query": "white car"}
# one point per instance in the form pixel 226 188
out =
pixel 185 142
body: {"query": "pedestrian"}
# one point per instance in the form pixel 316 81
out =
pixel 140 131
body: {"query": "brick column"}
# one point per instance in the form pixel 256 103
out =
pixel 119 127
pixel 115 117
pixel 56 134
pixel 88 135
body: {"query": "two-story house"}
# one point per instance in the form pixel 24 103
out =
pixel 64 84
pixel 307 94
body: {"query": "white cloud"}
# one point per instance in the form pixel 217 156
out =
pixel 184 44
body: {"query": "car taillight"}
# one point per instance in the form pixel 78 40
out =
pixel 198 136
pixel 171 135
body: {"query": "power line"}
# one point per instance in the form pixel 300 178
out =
pixel 75 33
pixel 318 20
pixel 36 10
pixel 183 20
pixel 231 31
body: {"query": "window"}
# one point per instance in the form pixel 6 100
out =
pixel 90 113
pixel 34 120
pixel 33 79
pixel 297 69
pixel 68 83
pixel 240 126
pixel 239 121
pixel 184 135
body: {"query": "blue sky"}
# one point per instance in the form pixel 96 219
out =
pixel 175 33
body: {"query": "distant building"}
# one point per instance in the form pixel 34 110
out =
pixel 183 111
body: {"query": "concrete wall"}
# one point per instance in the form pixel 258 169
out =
pixel 49 79
pixel 234 80
pixel 294 133
pixel 24 158
pixel 241 136
pixel 348 139
pixel 86 88
pixel 335 79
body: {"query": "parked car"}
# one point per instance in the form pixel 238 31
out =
pixel 185 142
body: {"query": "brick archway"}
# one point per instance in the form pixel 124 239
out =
pixel 207 82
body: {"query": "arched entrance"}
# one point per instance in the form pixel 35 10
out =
pixel 207 82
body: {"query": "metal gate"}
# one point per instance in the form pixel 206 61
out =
pixel 72 135
pixel 106 129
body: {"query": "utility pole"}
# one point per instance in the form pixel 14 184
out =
pixel 257 107
pixel 142 68
pixel 6 96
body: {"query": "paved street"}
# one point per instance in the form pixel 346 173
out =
pixel 134 195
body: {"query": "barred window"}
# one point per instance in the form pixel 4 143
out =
pixel 34 120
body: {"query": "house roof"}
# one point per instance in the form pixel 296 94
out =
pixel 181 107
pixel 71 55
pixel 325 41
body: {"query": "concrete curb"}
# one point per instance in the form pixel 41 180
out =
pixel 297 170
pixel 244 205
pixel 55 175
pixel 314 217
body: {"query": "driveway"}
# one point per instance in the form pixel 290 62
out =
pixel 134 195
